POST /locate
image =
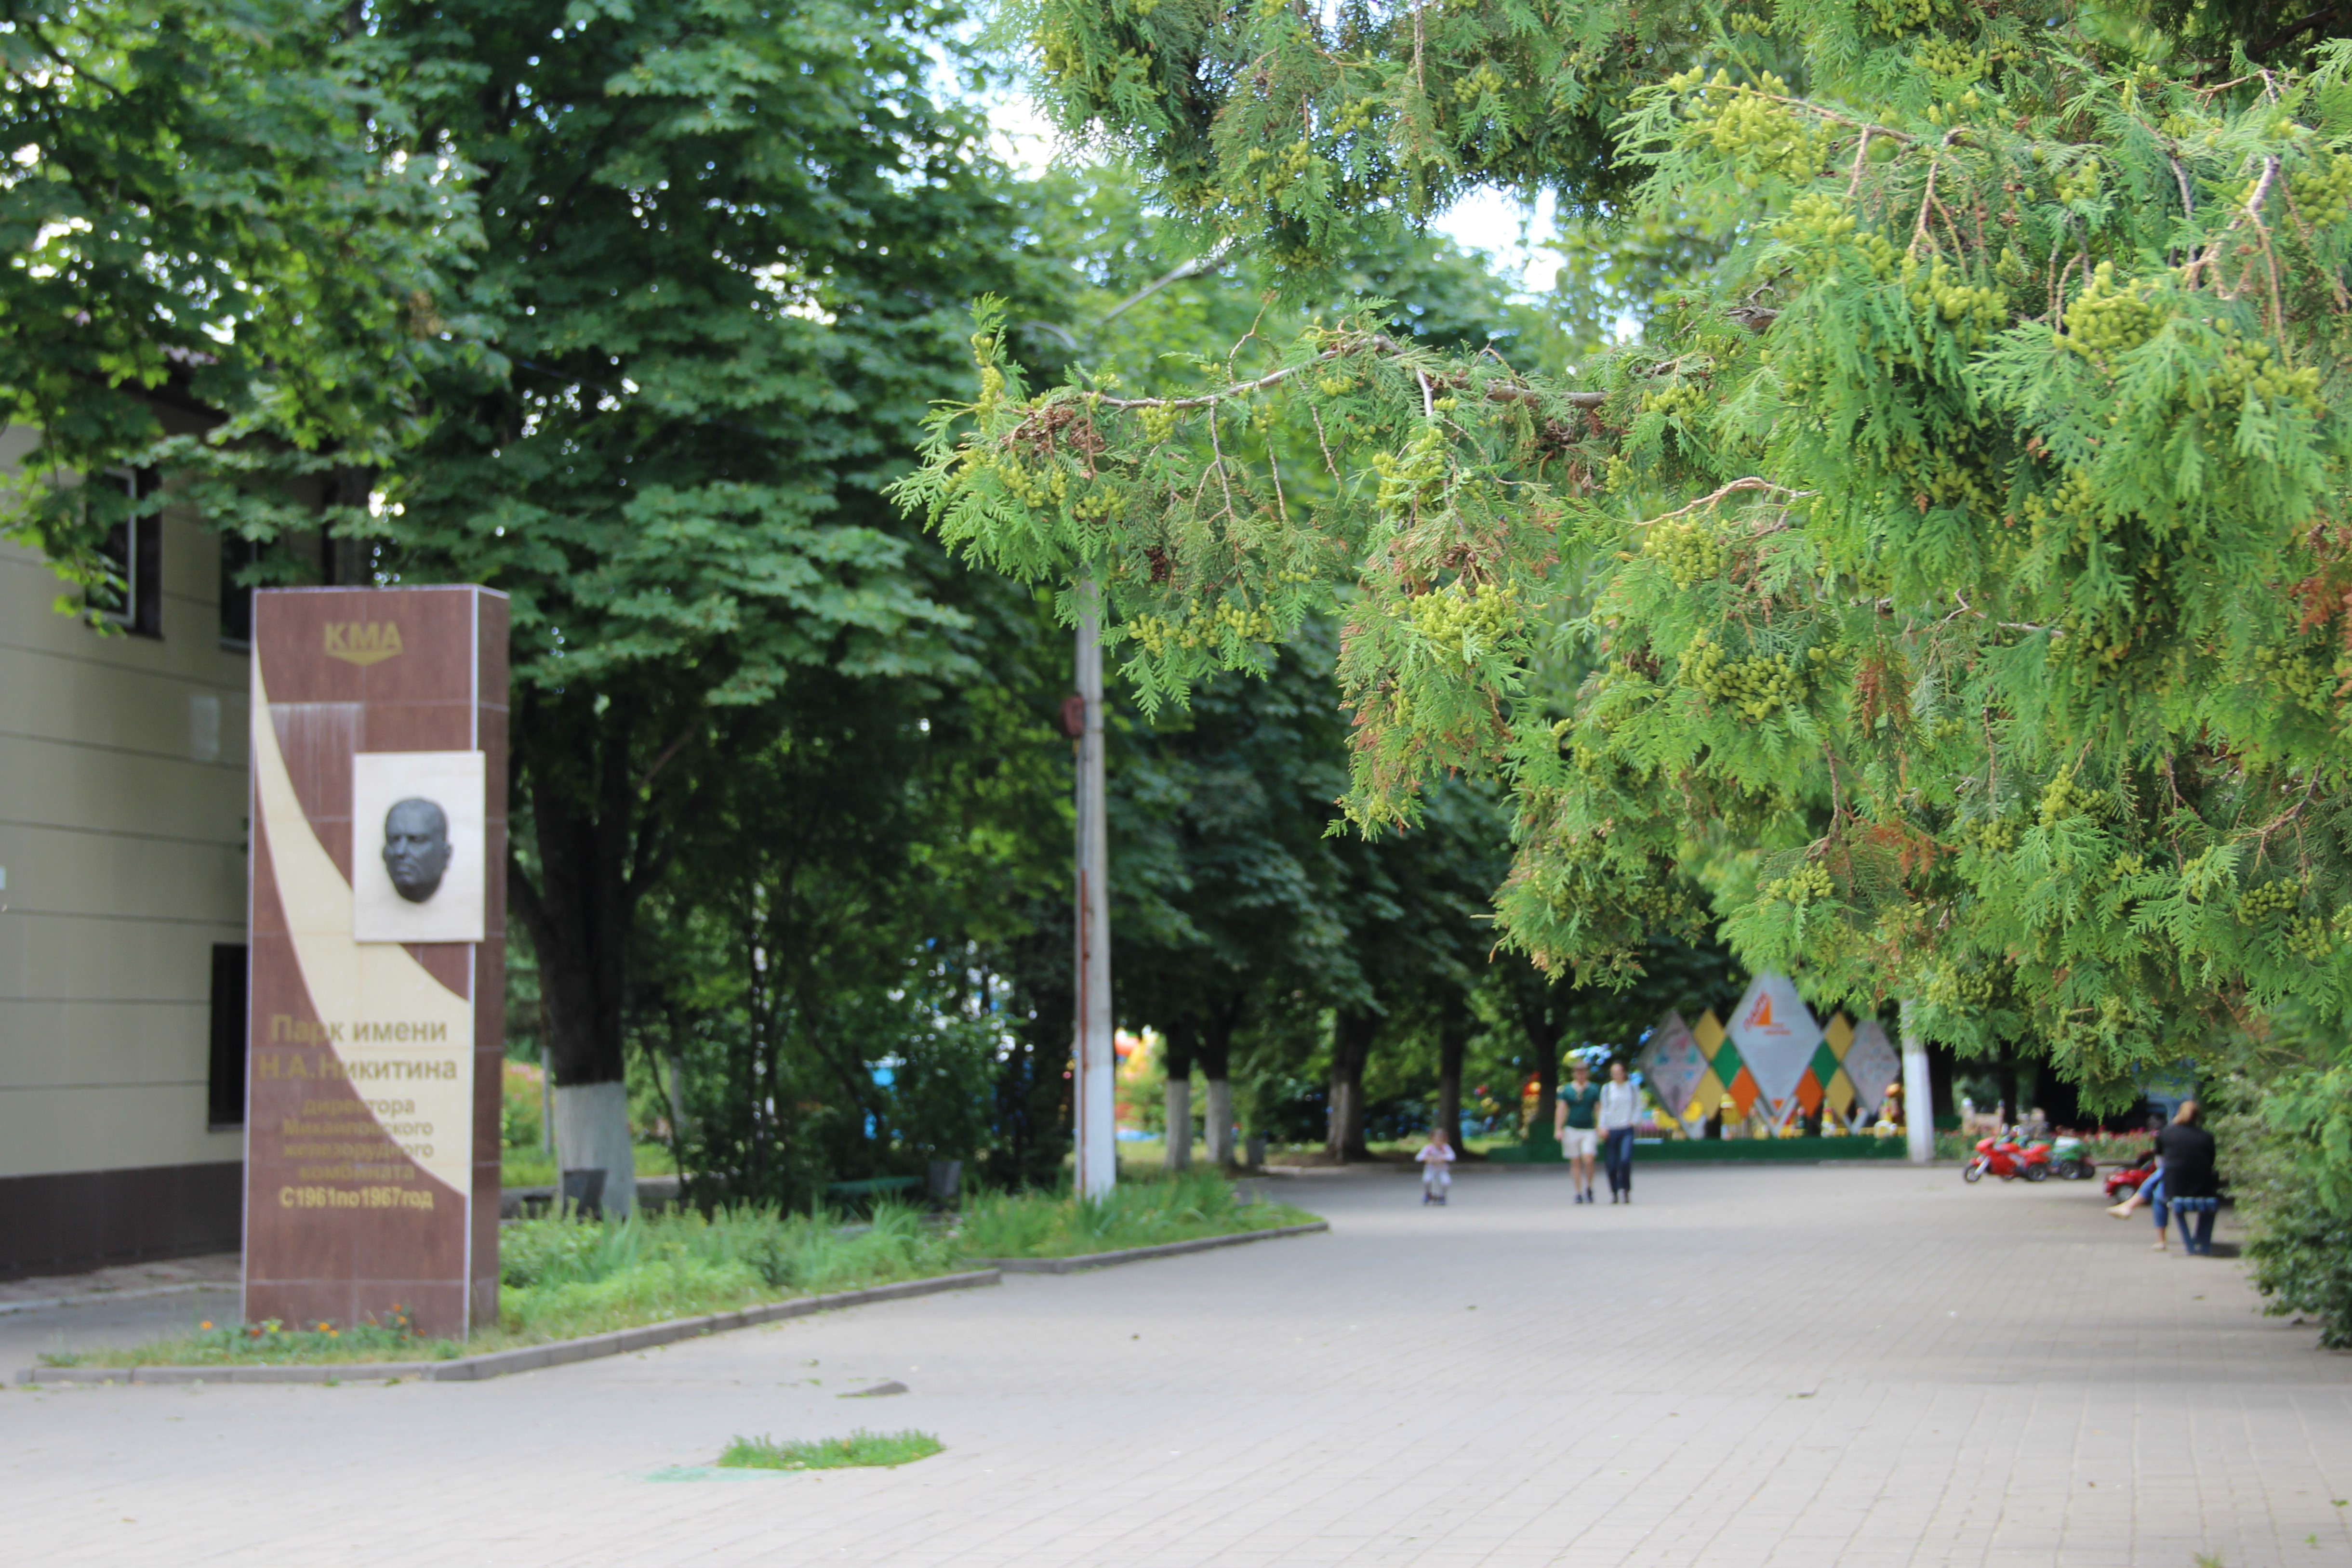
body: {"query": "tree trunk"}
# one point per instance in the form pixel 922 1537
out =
pixel 1183 1036
pixel 674 1059
pixel 1543 1038
pixel 1943 1067
pixel 578 918
pixel 1452 1034
pixel 1216 1064
pixel 592 1132
pixel 1351 1047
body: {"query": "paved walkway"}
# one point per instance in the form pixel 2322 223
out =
pixel 1750 1366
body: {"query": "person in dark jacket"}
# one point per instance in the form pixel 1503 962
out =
pixel 2186 1151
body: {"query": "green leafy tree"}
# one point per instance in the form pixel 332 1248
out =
pixel 724 244
pixel 1236 917
pixel 232 257
pixel 835 968
pixel 1956 558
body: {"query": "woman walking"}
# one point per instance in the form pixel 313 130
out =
pixel 1573 1124
pixel 1621 1107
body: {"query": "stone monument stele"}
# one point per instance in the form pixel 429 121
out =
pixel 377 930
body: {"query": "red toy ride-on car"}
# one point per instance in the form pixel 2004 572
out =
pixel 2131 1178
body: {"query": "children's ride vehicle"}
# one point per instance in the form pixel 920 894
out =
pixel 2071 1161
pixel 2130 1179
pixel 2004 1156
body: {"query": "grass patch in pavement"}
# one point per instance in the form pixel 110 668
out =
pixel 1190 1206
pixel 564 1278
pixel 861 1447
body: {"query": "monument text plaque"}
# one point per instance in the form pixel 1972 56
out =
pixel 378 919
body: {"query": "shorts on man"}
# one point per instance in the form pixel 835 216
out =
pixel 1580 1142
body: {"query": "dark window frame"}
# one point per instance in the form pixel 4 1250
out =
pixel 135 547
pixel 231 1032
pixel 236 553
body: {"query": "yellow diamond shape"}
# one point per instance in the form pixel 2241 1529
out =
pixel 1708 1033
pixel 1840 1034
pixel 1705 1098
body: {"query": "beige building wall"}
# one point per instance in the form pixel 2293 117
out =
pixel 122 832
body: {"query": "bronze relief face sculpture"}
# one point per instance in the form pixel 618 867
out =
pixel 415 848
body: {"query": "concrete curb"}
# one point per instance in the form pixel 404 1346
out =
pixel 529 1358
pixel 99 1298
pixel 1139 1254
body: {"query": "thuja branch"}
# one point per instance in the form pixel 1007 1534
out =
pixel 1376 343
pixel 1734 488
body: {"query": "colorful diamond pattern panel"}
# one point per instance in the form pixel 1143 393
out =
pixel 1726 1061
pixel 1872 1064
pixel 1838 1036
pixel 1776 1036
pixel 1839 1068
pixel 1743 1092
pixel 1672 1065
pixel 1705 1099
pixel 1810 1092
pixel 1839 1093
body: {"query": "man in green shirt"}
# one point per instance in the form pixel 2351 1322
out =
pixel 1574 1122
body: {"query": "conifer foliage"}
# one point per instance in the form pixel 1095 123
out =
pixel 1958 565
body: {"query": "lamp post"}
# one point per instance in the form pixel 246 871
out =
pixel 1093 1100
pixel 1092 1078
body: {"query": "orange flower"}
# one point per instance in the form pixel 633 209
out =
pixel 203 1326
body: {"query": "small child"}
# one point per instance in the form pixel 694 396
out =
pixel 1434 1156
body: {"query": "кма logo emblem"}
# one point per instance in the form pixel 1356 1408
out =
pixel 363 641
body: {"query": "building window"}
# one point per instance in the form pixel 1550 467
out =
pixel 132 597
pixel 224 1100
pixel 236 553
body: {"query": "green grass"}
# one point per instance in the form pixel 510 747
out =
pixel 272 1342
pixel 1142 1213
pixel 530 1168
pixel 886 1450
pixel 564 1278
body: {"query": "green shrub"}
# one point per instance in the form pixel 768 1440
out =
pixel 2286 1152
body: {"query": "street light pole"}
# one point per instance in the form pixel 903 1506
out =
pixel 1091 1083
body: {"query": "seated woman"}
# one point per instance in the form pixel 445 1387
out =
pixel 2191 1184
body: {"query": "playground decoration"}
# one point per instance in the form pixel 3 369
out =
pixel 1775 1055
pixel 1872 1063
pixel 1673 1067
pixel 1775 1036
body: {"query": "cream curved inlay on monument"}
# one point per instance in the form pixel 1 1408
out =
pixel 404 1041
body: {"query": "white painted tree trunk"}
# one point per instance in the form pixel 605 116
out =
pixel 676 1100
pixel 1096 1111
pixel 1219 1122
pixel 592 1132
pixel 1918 1095
pixel 1180 1123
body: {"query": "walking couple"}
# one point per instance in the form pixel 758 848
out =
pixel 1590 1114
